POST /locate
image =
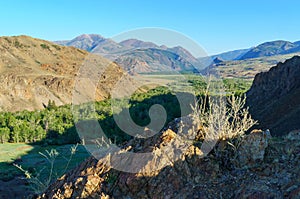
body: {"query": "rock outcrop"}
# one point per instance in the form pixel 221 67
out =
pixel 259 170
pixel 274 98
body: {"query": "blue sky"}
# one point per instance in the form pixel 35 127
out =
pixel 217 26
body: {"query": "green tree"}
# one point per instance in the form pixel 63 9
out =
pixel 4 134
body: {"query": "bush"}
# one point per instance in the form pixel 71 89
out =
pixel 223 118
pixel 45 46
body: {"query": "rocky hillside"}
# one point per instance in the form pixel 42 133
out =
pixel 274 97
pixel 256 169
pixel 33 71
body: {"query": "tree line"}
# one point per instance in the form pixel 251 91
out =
pixel 56 125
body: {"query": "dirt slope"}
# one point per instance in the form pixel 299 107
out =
pixel 33 71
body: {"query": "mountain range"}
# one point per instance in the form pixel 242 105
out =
pixel 137 56
pixel 272 48
pixel 266 49
pixel 246 63
pixel 98 44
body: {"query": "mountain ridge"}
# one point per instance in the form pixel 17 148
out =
pixel 270 49
pixel 261 50
pixel 125 50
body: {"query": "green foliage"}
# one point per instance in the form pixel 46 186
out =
pixel 237 86
pixel 4 134
pixel 139 108
pixel 57 47
pixel 51 125
pixel 45 46
pixel 51 104
pixel 8 40
pixel 111 178
pixel 56 125
pixel 231 85
pixel 18 44
pixel 199 84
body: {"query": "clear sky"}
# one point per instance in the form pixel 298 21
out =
pixel 217 26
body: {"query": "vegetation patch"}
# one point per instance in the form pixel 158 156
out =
pixel 45 46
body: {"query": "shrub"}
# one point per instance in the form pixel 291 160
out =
pixel 45 46
pixel 57 47
pixel 18 44
pixel 223 118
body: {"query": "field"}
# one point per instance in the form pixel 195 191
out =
pixel 30 158
pixel 196 84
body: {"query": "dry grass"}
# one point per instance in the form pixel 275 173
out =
pixel 222 118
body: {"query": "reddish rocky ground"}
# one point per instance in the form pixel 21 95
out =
pixel 261 167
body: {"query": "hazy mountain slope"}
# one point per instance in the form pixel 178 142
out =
pixel 270 49
pixel 32 71
pixel 297 43
pixel 231 55
pixel 296 49
pixel 184 53
pixel 153 60
pixel 135 43
pixel 124 54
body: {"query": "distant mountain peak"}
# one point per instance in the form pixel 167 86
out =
pixel 135 43
pixel 89 36
pixel 218 60
pixel 85 41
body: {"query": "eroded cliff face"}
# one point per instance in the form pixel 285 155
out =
pixel 34 71
pixel 274 98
